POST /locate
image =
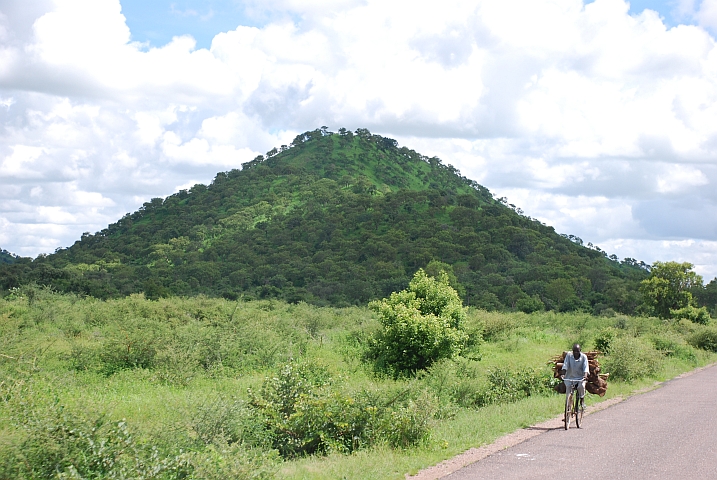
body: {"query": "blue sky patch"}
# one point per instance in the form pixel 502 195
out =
pixel 156 22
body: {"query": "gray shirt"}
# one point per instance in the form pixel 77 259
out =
pixel 575 369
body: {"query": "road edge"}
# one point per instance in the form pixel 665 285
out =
pixel 475 454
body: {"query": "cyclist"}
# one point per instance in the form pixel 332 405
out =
pixel 575 367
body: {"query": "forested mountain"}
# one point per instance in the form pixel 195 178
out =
pixel 7 257
pixel 336 219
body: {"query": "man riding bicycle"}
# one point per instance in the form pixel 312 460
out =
pixel 575 370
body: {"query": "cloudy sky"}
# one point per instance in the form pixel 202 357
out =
pixel 599 118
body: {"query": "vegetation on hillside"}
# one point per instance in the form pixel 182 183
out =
pixel 7 257
pixel 338 219
pixel 208 388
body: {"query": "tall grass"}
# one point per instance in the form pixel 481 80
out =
pixel 210 388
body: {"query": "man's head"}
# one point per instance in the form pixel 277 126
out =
pixel 576 351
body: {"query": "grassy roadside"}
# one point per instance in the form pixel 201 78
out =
pixel 467 430
pixel 177 374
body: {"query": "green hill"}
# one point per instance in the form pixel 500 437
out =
pixel 337 219
pixel 7 257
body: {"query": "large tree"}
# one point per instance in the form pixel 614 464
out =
pixel 666 293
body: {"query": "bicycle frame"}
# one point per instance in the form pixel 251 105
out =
pixel 572 403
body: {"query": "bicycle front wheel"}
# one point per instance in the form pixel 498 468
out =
pixel 578 412
pixel 568 409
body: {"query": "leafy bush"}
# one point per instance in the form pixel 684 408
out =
pixel 631 358
pixel 289 403
pixel 409 425
pixel 512 385
pixel 420 325
pixel 55 442
pixel 135 349
pixel 225 461
pixel 453 382
pixel 604 339
pixel 685 327
pixel 496 325
pixel 693 314
pixel 530 304
pixel 222 421
pixel 123 344
pixel 441 378
pixel 280 393
pixel 304 415
pixel 176 366
pixel 704 338
pixel 673 346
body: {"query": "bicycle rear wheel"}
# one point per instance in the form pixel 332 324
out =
pixel 578 412
pixel 568 409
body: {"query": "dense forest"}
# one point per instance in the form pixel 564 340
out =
pixel 337 219
pixel 7 257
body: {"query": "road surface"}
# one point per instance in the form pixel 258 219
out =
pixel 670 433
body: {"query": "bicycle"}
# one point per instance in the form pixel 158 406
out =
pixel 572 404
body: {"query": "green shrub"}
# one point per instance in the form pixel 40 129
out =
pixel 604 339
pixel 496 325
pixel 229 461
pixel 304 414
pixel 685 327
pixel 696 315
pixel 631 359
pixel 512 385
pixel 176 366
pixel 530 304
pixel 420 325
pixel 122 346
pixel 673 346
pixel 704 338
pixel 409 425
pixel 441 378
pixel 621 322
pixel 113 355
pixel 453 382
pixel 280 393
pixel 223 421
pixel 54 442
pixel 284 400
pixel 83 356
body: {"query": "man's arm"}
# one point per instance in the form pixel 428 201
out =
pixel 586 368
pixel 564 371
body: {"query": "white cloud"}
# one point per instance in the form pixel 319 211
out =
pixel 6 102
pixel 594 218
pixel 680 177
pixel 20 163
pixel 707 14
pixel 199 151
pixel 151 125
pixel 702 254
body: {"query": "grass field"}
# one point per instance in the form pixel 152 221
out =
pixel 209 388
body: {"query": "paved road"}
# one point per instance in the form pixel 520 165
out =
pixel 670 432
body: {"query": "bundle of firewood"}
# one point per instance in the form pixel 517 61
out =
pixel 597 382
